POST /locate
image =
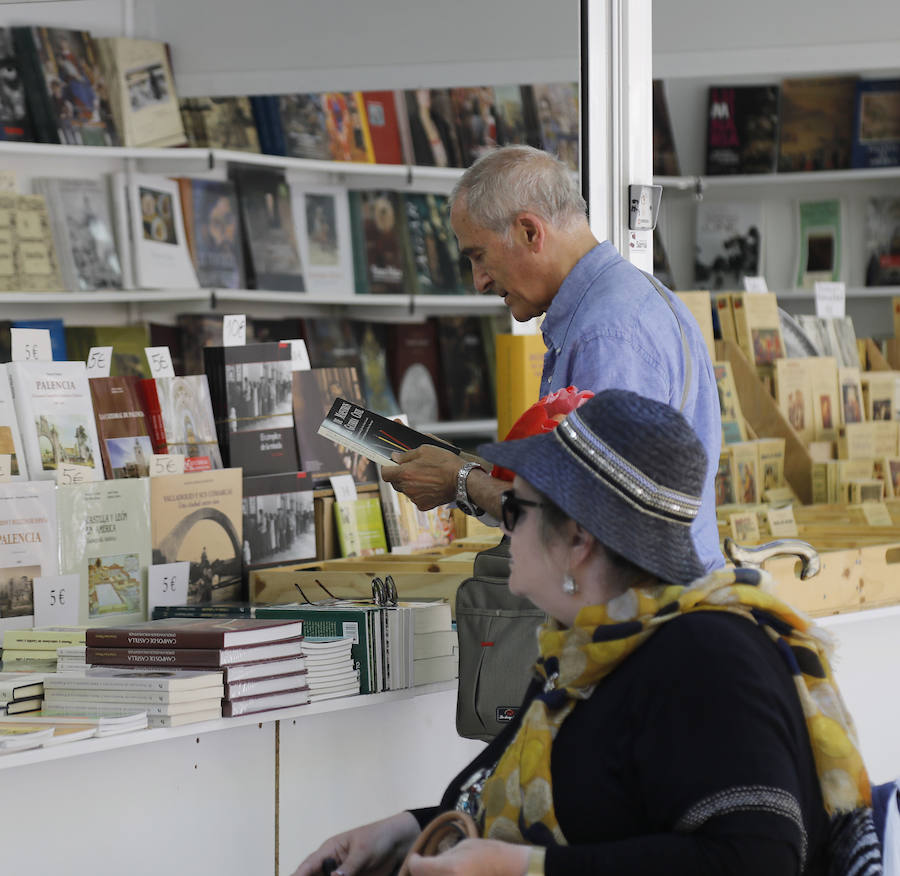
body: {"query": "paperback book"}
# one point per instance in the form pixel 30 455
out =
pixel 876 129
pixel 347 127
pixel 380 242
pixel 10 437
pixel 728 244
pixel 883 242
pixel 168 681
pixel 432 127
pixel 742 129
pixel 384 127
pixel 128 343
pixel 104 537
pixel 414 369
pixel 125 445
pixel 194 633
pixel 15 120
pixel 220 123
pixel 432 244
pixel 322 220
pixel 302 121
pixel 466 367
pixel 819 254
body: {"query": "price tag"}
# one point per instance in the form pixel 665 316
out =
pixel 68 474
pixel 755 284
pixel 344 488
pixel 299 355
pixel 31 345
pixel 5 466
pixel 56 599
pixel 234 330
pixel 160 361
pixel 831 299
pixel 167 584
pixel 98 361
pixel 166 464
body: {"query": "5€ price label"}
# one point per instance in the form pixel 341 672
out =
pixel 56 599
pixel 831 299
pixel 98 361
pixel 234 330
pixel 755 284
pixel 166 464
pixel 160 361
pixel 31 345
pixel 5 467
pixel 68 473
pixel 167 584
pixel 299 355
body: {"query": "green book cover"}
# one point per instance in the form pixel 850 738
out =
pixel 820 242
pixel 360 527
pixel 358 245
pixel 104 536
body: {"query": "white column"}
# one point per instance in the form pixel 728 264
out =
pixel 617 73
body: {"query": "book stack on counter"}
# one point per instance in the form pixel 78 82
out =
pixel 259 662
pixel 20 692
pixel 37 650
pixel 70 658
pixel 330 669
pixel 33 730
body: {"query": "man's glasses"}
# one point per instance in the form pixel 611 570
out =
pixel 511 507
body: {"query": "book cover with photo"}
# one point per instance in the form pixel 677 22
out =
pixel 56 419
pixel 883 241
pixel 67 93
pixel 793 392
pixel 733 428
pixel 509 110
pixel 824 389
pixel 303 121
pixel 347 127
pixel 820 241
pixel 104 537
pixel 742 129
pixel 314 392
pixel 10 437
pixel 149 214
pixel 250 389
pixel 725 493
pixel 816 131
pixel 322 220
pixel 729 243
pixel 272 259
pixel 373 342
pixel 876 123
pixel 124 437
pixel 758 326
pixel 180 419
pixel 559 120
pixel 141 91
pixel 83 231
pixel 414 369
pixel 432 127
pixel 28 548
pixel 222 123
pixel 851 399
pixel 433 249
pixel 212 227
pixel 196 518
pixel 279 520
pixel 476 121
pixel 380 242
pixel 15 119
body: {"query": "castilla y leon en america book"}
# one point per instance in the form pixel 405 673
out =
pixel 370 434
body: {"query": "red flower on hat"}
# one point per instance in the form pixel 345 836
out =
pixel 543 416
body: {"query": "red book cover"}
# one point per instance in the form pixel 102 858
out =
pixel 414 369
pixel 384 126
pixel 122 429
pixel 186 632
pixel 199 658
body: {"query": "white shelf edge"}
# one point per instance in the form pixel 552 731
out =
pixel 159 734
pixel 116 296
pixel 854 292
pixel 417 303
pixel 813 177
pixel 57 150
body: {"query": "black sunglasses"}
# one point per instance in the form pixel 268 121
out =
pixel 511 507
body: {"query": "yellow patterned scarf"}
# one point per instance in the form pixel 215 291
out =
pixel 518 796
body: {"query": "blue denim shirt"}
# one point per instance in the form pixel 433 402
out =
pixel 608 327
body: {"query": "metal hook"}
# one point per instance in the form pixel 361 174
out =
pixel 754 557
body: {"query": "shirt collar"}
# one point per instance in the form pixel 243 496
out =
pixel 565 303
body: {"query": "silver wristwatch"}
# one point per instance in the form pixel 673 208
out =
pixel 462 494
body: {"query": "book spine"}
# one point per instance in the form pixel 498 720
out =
pixel 155 425
pixel 199 658
pixel 98 637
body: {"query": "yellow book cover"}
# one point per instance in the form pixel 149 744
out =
pixel 823 377
pixel 793 392
pixel 884 437
pixel 700 306
pixel 520 360
pixel 733 427
pixel 745 472
pixel 758 326
pixel 360 528
pixel 891 471
pixel 850 395
pixel 881 394
pixel 856 441
pixel 771 463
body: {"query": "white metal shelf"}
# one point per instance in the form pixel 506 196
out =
pixel 859 292
pixel 699 182
pixel 143 737
pixel 460 427
pixel 114 296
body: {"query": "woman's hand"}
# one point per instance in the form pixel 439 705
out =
pixel 474 857
pixel 373 849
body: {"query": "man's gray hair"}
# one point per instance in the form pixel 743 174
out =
pixel 517 179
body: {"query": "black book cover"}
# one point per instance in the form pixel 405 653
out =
pixel 15 121
pixel 742 129
pixel 250 387
pixel 465 372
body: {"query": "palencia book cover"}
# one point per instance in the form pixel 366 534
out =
pixel 372 435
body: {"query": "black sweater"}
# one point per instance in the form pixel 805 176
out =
pixel 691 757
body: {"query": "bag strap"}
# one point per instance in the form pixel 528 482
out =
pixel 688 364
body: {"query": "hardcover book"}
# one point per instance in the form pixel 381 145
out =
pixel 82 232
pixel 347 127
pixel 742 129
pixel 373 341
pixel 476 121
pixel 466 371
pixel 331 342
pixel 728 243
pixel 816 123
pixel 267 225
pixel 15 120
pixel 819 255
pixel 360 528
pixel 194 633
pixel 314 393
pixel 302 118
pixel 28 547
pixel 414 369
pixel 10 437
pixel 141 91
pixel 104 536
pixel 558 118
pixel 197 658
pixel 322 220
pixel 384 127
pixel 221 123
pixel 432 127
pixel 279 520
pixel 125 445
pixel 19 686
pixel 197 518
pixel 212 227
pixel 250 389
pixel 265 702
pixel 56 419
pixel 432 245
pixel 876 129
pixel 352 426
pixel 180 418
pixel 380 241
pixel 883 242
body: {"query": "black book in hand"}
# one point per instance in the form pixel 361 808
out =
pixel 372 435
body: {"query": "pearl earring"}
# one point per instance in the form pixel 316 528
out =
pixel 569 586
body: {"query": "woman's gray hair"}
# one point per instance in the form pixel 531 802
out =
pixel 517 179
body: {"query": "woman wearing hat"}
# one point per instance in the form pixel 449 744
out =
pixel 676 723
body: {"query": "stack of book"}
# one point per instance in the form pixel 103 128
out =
pixel 70 658
pixel 241 650
pixel 20 692
pixel 36 650
pixel 330 671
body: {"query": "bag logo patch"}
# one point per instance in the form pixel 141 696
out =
pixel 505 714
